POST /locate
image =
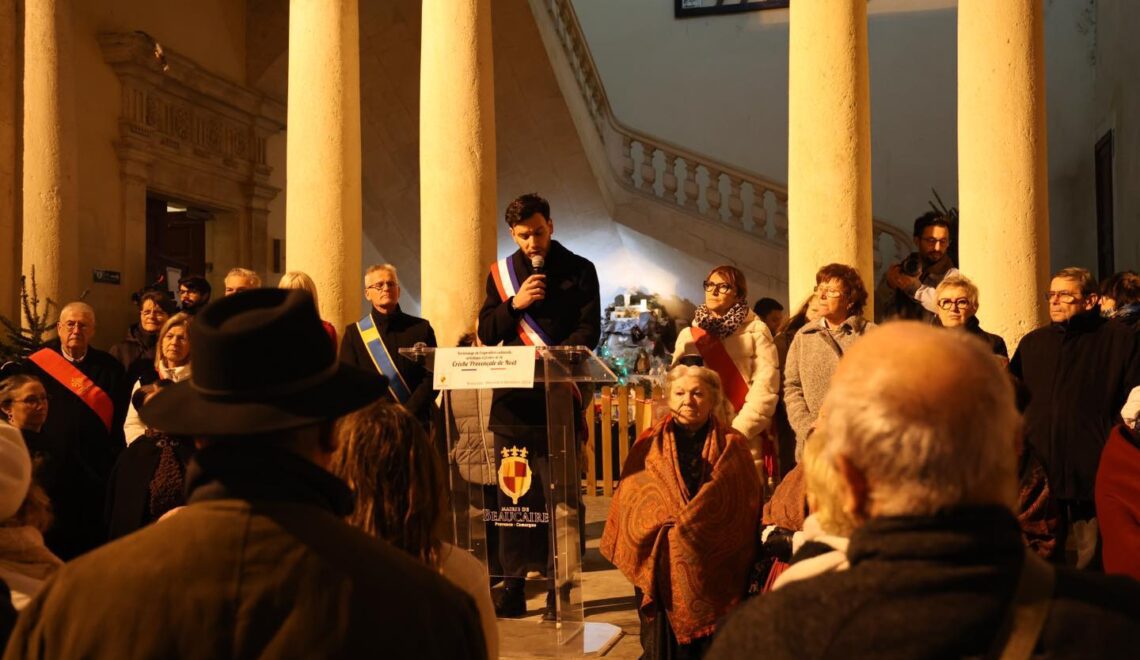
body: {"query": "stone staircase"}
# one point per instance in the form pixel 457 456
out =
pixel 692 202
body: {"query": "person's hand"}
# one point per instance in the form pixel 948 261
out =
pixel 897 279
pixel 531 291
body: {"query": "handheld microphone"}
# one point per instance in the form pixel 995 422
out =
pixel 538 264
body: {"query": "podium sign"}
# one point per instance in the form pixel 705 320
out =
pixel 515 476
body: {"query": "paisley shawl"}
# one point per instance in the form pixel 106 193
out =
pixel 691 552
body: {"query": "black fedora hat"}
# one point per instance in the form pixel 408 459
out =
pixel 260 362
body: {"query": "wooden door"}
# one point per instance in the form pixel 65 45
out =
pixel 174 239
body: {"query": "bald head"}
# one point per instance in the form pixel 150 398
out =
pixel 76 327
pixel 924 419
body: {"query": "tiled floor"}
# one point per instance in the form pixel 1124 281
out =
pixel 607 595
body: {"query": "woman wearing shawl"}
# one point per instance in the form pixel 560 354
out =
pixel 738 346
pixel 682 526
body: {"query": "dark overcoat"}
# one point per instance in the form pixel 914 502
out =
pixel 398 330
pixel 1078 375
pixel 259 564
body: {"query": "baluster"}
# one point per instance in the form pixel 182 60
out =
pixel 627 159
pixel 692 193
pixel 782 217
pixel 712 193
pixel 759 212
pixel 648 170
pixel 735 204
pixel 669 179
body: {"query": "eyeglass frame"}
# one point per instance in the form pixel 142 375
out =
pixel 935 242
pixel 954 303
pixel 1062 295
pixel 380 286
pixel 718 288
pixel 76 325
pixel 34 400
pixel 825 293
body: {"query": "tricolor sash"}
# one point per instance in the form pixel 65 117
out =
pixel 382 359
pixel 63 371
pixel 716 357
pixel 507 282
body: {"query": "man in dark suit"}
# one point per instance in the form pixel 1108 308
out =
pixel 83 433
pixel 556 304
pixel 260 563
pixel 373 343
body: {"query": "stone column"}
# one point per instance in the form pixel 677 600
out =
pixel 1002 162
pixel 50 195
pixel 829 142
pixel 322 215
pixel 9 159
pixel 457 163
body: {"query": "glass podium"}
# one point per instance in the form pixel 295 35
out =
pixel 515 480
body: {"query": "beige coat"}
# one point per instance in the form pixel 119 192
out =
pixel 754 354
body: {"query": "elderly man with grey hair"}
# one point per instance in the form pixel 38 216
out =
pixel 921 426
pixel 83 433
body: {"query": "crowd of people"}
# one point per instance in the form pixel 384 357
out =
pixel 245 480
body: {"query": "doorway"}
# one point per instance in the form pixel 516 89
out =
pixel 175 242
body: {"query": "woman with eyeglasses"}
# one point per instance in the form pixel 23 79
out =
pixel 817 347
pixel 136 351
pixel 957 299
pixel 735 343
pixel 24 403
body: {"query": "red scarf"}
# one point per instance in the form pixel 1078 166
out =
pixel 693 552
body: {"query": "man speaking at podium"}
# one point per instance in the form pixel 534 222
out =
pixel 540 295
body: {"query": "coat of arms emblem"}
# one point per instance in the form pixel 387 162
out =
pixel 514 473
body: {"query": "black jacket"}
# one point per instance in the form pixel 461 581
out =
pixel 931 587
pixel 570 315
pixel 136 354
pixel 995 342
pixel 1078 375
pixel 128 489
pixel 398 330
pixel 260 564
pixel 78 453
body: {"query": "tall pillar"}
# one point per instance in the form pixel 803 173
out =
pixel 50 194
pixel 457 163
pixel 829 142
pixel 322 212
pixel 1003 196
pixel 9 159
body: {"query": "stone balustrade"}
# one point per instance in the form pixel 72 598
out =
pixel 691 182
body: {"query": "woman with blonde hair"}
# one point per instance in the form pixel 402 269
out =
pixel 296 279
pixel 682 525
pixel 384 455
pixel 171 363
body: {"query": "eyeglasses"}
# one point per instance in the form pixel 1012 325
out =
pixel 960 303
pixel 936 242
pixel 718 288
pixel 824 292
pixel 34 400
pixel 74 325
pixel 1062 296
pixel 380 286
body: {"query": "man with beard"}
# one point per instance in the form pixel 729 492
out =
pixel 193 293
pixel 907 291
pixel 540 295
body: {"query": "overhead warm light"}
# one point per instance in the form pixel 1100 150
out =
pixel 171 207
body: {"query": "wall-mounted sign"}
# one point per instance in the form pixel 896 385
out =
pixel 107 276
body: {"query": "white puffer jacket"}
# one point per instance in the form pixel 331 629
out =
pixel 754 354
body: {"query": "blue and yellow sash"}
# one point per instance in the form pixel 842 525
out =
pixel 382 359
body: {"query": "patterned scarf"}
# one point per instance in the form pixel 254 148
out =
pixel 689 553
pixel 721 326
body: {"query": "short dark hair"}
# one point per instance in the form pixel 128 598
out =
pixel 766 306
pixel 195 283
pixel 851 281
pixel 1124 288
pixel 160 298
pixel 931 219
pixel 525 206
pixel 1081 276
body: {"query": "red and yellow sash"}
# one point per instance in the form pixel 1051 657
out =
pixel 56 366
